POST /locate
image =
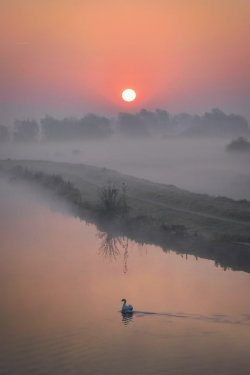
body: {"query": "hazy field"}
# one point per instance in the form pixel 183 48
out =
pixel 197 165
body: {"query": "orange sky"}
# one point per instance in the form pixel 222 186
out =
pixel 75 56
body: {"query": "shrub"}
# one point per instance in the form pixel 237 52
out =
pixel 239 144
pixel 113 199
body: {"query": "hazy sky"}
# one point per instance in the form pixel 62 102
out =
pixel 69 57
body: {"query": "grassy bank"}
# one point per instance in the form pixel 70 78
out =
pixel 160 207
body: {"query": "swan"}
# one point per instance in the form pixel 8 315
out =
pixel 126 309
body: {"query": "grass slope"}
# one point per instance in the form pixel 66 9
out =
pixel 163 205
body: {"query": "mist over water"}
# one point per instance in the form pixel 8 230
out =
pixel 61 293
pixel 199 165
pixel 62 279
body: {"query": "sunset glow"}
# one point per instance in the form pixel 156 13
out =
pixel 73 56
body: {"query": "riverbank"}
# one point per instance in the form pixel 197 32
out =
pixel 164 207
pixel 215 228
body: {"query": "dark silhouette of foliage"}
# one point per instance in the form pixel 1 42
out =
pixel 53 182
pixel 113 199
pixel 239 144
pixel 4 134
pixel 90 126
pixel 147 123
pixel 142 124
pixel 216 123
pixel 26 131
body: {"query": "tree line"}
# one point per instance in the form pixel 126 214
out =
pixel 141 124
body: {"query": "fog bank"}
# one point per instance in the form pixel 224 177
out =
pixel 201 166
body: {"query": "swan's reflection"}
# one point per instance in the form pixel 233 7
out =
pixel 112 246
pixel 127 318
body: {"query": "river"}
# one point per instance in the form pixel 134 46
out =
pixel 62 281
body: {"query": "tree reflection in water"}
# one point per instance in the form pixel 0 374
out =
pixel 112 246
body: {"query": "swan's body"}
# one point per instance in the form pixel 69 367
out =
pixel 126 309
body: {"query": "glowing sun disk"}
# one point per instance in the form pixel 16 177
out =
pixel 128 95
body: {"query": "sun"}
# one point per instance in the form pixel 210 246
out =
pixel 128 95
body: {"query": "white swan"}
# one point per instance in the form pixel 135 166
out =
pixel 126 308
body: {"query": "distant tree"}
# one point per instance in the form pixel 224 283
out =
pixel 239 144
pixel 144 123
pixel 148 119
pixel 56 130
pixel 26 131
pixel 182 122
pixel 157 122
pixel 94 127
pixel 90 126
pixel 217 123
pixel 4 134
pixel 132 125
pixel 163 122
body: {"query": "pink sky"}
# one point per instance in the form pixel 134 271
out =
pixel 69 57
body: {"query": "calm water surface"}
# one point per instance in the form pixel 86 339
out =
pixel 61 285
